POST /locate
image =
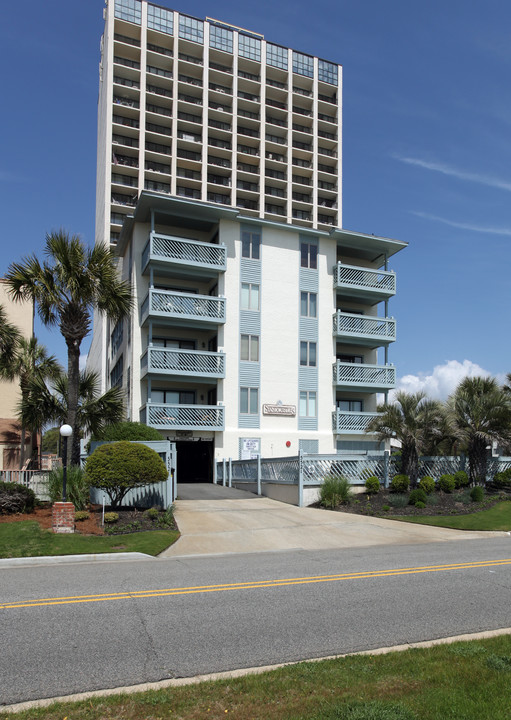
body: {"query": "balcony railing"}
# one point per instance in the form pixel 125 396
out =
pixel 190 256
pixel 183 307
pixel 183 417
pixel 363 282
pixel 351 422
pixel 364 329
pixel 373 377
pixel 174 361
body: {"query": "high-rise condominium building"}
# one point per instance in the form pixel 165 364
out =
pixel 261 326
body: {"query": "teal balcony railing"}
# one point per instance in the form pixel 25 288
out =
pixel 183 256
pixel 183 308
pixel 364 329
pixel 183 417
pixel 173 361
pixel 364 283
pixel 351 422
pixel 376 378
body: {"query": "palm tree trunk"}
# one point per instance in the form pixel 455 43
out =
pixel 73 379
pixel 477 461
pixel 410 462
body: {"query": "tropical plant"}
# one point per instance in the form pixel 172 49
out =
pixel 50 440
pixel 479 412
pixel 77 489
pixel 67 288
pixel 122 466
pixel 9 336
pixel 415 421
pixel 335 491
pixel 94 411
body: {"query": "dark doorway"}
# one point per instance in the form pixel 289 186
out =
pixel 194 461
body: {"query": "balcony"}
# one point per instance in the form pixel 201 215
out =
pixel 351 422
pixel 364 330
pixel 372 378
pixel 183 417
pixel 179 308
pixel 173 362
pixel 183 257
pixel 373 285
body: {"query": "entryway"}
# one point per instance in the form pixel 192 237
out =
pixel 194 461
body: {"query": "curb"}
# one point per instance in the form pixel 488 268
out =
pixel 6 563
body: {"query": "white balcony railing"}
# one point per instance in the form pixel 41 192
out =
pixel 366 329
pixel 183 306
pixel 173 361
pixel 364 282
pixel 375 377
pixel 351 422
pixel 176 251
pixel 183 417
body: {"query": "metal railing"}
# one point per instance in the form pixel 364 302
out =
pixel 184 305
pixel 351 422
pixel 378 281
pixel 373 376
pixel 175 361
pixel 183 417
pixel 183 251
pixel 364 326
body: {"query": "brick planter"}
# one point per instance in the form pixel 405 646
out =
pixel 63 517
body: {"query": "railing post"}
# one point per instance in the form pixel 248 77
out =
pixel 215 477
pixel 300 478
pixel 259 490
pixel 386 461
pixel 230 472
pixel 224 472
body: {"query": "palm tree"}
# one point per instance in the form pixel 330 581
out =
pixel 415 421
pixel 479 412
pixel 507 385
pixel 94 412
pixel 67 288
pixel 9 336
pixel 29 361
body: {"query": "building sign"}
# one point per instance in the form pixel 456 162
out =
pixel 278 409
pixel 250 448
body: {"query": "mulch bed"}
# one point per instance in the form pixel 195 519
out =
pixel 130 520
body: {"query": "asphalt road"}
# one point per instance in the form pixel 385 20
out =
pixel 67 628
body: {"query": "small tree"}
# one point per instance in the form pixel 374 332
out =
pixel 122 466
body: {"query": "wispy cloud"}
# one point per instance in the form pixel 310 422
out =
pixel 445 169
pixel 464 225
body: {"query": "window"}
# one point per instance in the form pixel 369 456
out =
pixel 173 397
pixel 356 359
pixel 249 401
pixel 220 38
pixel 308 352
pixel 350 405
pixel 116 374
pixel 303 64
pixel 116 337
pixel 307 406
pixel 170 343
pixel 249 296
pixel 130 10
pixel 160 19
pixel 308 304
pixel 249 348
pixel 191 29
pixel 327 72
pixel 251 245
pixel 309 255
pixel 249 47
pixel 276 56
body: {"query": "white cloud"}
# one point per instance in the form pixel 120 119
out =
pixel 464 226
pixel 445 169
pixel 443 380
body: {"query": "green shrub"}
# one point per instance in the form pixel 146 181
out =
pixel 416 496
pixel 111 517
pixel 335 491
pixel 398 500
pixel 372 485
pixel 128 431
pixel 446 483
pixel 82 515
pixel 399 484
pixel 385 507
pixel 77 489
pixel 502 480
pixel 119 467
pixel 427 484
pixel 16 498
pixel 477 494
pixel 152 513
pixel 461 479
pixel 419 504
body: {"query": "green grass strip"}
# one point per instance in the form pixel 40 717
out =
pixel 496 518
pixel 27 539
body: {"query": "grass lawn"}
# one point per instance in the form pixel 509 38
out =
pixel 462 681
pixel 497 517
pixel 27 539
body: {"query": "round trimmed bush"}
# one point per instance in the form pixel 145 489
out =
pixel 420 505
pixel 81 515
pixel 416 496
pixel 399 484
pixel 111 517
pixel 502 480
pixel 477 494
pixel 128 430
pixel 461 479
pixel 446 483
pixel 16 498
pixel 427 484
pixel 372 485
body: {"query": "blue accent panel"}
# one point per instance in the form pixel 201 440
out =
pixel 309 280
pixel 250 270
pixel 248 421
pixel 309 446
pixel 354 445
pixel 307 378
pixel 307 423
pixel 250 322
pixel 250 374
pixel 308 329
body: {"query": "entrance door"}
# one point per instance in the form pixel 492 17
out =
pixel 194 461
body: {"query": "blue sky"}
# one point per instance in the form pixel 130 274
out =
pixel 427 151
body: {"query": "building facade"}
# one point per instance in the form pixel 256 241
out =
pixel 260 326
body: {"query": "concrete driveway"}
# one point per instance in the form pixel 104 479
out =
pixel 227 520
